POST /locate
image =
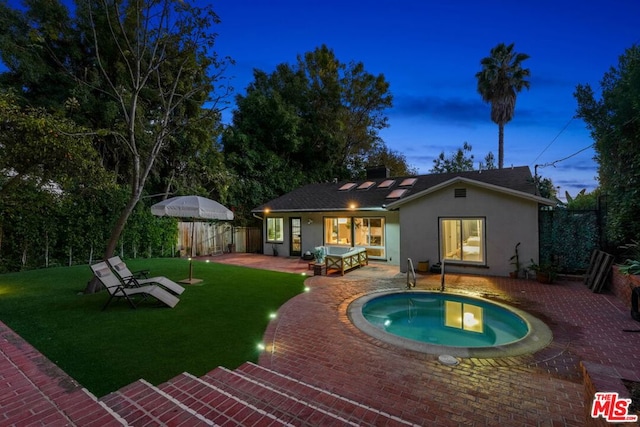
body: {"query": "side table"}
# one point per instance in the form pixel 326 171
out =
pixel 319 270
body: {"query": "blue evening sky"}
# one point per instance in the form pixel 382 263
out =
pixel 430 51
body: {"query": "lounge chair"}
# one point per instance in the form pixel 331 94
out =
pixel 140 278
pixel 118 289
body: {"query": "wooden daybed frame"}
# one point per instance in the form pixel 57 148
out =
pixel 353 258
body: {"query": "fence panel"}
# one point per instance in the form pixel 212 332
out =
pixel 568 237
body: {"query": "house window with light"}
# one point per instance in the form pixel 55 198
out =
pixel 337 231
pixel 275 230
pixel 462 240
pixel 365 232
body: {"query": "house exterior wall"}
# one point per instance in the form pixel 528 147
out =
pixel 508 220
pixel 313 231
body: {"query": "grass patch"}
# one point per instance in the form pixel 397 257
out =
pixel 216 323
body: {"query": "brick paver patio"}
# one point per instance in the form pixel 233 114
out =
pixel 313 340
pixel 343 375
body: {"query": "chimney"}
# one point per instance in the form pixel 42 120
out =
pixel 378 172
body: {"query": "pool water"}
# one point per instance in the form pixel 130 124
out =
pixel 445 319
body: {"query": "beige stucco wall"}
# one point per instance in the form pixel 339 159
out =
pixel 312 231
pixel 508 220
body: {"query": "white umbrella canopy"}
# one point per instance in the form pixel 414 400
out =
pixel 192 207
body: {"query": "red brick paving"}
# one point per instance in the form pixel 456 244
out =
pixel 314 341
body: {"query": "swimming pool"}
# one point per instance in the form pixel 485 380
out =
pixel 446 323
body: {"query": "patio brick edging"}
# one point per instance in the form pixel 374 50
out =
pixel 603 378
pixel 621 285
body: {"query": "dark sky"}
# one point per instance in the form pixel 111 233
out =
pixel 430 51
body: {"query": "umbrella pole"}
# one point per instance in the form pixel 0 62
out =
pixel 191 280
pixel 193 243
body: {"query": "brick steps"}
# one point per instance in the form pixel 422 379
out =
pixel 215 404
pixel 34 391
pixel 249 396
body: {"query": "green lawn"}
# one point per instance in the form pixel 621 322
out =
pixel 216 323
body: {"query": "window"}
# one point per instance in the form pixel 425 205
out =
pixel 337 231
pixel 462 239
pixel 367 232
pixel 275 227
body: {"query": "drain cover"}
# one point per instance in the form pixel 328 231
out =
pixel 447 359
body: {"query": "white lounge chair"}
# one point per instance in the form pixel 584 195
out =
pixel 140 278
pixel 117 289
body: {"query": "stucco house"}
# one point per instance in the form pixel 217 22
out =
pixel 471 220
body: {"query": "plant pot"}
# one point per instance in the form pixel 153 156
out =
pixel 543 277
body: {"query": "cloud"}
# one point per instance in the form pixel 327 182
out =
pixel 451 110
pixel 469 112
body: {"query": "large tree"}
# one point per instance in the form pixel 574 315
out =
pixel 142 74
pixel 312 121
pixel 614 122
pixel 499 81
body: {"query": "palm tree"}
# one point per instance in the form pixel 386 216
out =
pixel 500 79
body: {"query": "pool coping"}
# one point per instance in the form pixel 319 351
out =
pixel 538 337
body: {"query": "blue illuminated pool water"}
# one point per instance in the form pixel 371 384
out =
pixel 445 319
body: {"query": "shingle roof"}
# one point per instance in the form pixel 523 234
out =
pixel 329 197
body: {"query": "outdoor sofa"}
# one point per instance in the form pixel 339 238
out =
pixel 344 258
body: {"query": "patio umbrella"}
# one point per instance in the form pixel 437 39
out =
pixel 193 207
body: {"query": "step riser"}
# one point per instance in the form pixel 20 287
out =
pixel 216 404
pixel 261 394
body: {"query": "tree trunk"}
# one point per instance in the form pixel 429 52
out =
pixel 500 145
pixel 94 284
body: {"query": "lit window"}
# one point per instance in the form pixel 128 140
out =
pixel 337 231
pixel 275 229
pixel 386 183
pixel 365 232
pixel 462 239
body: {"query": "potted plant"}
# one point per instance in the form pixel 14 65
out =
pixel 515 261
pixel 319 254
pixel 275 250
pixel 546 272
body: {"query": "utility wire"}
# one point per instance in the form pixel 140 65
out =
pixel 565 158
pixel 554 139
